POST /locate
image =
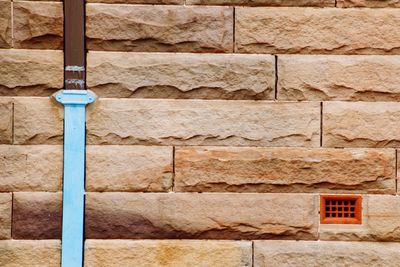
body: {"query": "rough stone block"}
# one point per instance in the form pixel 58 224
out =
pixel 327 77
pixel 5 216
pixel 311 253
pixel 31 72
pixel 361 124
pixel 381 222
pixel 311 3
pixel 129 168
pixel 37 121
pixel 201 216
pixel 170 75
pixel 172 253
pixel 6 118
pixel 31 168
pixel 159 28
pixel 398 172
pixel 221 169
pixel 37 215
pixel 317 31
pixel 196 122
pixel 38 25
pixel 15 253
pixel 5 24
pixel 368 3
pixel 145 2
pixel 36 0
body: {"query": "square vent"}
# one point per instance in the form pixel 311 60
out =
pixel 341 209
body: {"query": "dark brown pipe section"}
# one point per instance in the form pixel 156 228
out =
pixel 74 44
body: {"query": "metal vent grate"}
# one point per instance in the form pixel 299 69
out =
pixel 341 209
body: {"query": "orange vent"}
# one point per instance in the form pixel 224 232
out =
pixel 341 209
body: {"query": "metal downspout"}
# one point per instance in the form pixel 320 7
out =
pixel 74 102
pixel 74 98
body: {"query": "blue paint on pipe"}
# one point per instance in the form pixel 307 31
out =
pixel 74 102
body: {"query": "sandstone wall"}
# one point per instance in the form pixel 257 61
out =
pixel 219 125
pixel 31 64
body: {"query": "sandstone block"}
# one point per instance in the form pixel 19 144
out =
pixel 159 28
pixel 311 253
pixel 381 222
pixel 317 31
pixel 311 3
pixel 5 24
pixel 170 75
pixel 129 168
pixel 37 121
pixel 173 253
pixel 31 72
pixel 145 2
pixel 358 124
pixel 235 169
pixel 368 3
pixel 5 216
pixel 15 253
pixel 195 122
pixel 37 215
pixel 365 78
pixel 31 168
pixel 6 117
pixel 200 216
pixel 398 172
pixel 38 25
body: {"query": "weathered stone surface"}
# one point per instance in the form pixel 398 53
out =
pixel 221 169
pixel 5 216
pixel 201 216
pixel 5 24
pixel 368 3
pixel 366 78
pixel 37 0
pixel 146 2
pixel 317 31
pixel 358 124
pixel 14 253
pixel 6 117
pixel 196 122
pixel 38 25
pixel 171 75
pixel 31 72
pixel 159 28
pixel 37 121
pixel 37 215
pixel 129 168
pixel 310 253
pixel 31 168
pixel 315 3
pixel 398 171
pixel 381 222
pixel 173 253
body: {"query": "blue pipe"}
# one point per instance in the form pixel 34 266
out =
pixel 74 102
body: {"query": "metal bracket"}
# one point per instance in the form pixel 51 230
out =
pixel 74 102
pixel 75 97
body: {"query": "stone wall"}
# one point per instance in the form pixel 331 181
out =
pixel 219 125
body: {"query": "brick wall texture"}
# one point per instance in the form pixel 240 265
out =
pixel 220 123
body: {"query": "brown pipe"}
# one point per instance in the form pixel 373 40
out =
pixel 74 44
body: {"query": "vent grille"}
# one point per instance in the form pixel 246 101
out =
pixel 341 209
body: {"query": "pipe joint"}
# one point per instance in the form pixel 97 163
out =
pixel 75 97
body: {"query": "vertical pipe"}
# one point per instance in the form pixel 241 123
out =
pixel 74 44
pixel 74 102
pixel 73 192
pixel 74 99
